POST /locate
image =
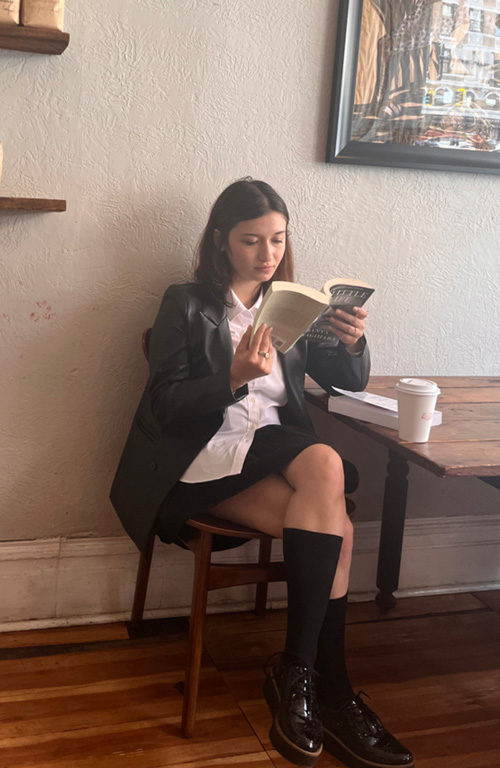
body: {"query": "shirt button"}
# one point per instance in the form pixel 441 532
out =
pixel 253 426
pixel 252 399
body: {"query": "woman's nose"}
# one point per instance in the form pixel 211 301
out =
pixel 265 253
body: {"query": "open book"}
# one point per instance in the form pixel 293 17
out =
pixel 292 309
pixel 344 294
pixel 366 406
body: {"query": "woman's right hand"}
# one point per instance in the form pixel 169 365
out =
pixel 247 363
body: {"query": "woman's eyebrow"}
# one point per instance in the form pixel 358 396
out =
pixel 252 234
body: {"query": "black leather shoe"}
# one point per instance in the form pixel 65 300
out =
pixel 291 695
pixel 355 735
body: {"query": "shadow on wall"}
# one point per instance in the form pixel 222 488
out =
pixel 72 394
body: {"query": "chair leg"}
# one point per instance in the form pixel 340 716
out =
pixel 141 584
pixel 203 552
pixel 261 592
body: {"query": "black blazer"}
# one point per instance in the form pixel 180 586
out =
pixel 188 391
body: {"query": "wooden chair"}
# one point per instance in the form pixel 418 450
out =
pixel 209 576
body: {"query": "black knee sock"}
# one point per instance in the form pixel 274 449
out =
pixel 330 661
pixel 311 559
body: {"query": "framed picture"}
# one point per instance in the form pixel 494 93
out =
pixel 417 85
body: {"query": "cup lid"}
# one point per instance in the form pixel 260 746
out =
pixel 418 386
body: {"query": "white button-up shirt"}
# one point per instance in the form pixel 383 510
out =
pixel 225 453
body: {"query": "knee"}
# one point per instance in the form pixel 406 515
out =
pixel 323 469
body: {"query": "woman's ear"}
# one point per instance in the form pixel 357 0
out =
pixel 217 238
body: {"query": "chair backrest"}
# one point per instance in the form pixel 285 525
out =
pixel 145 342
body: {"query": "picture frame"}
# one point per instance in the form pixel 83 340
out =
pixel 416 84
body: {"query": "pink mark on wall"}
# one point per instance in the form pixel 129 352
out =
pixel 21 282
pixel 5 317
pixel 45 312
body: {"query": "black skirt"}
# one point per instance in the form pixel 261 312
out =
pixel 272 448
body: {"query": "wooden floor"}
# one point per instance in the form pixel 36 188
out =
pixel 100 697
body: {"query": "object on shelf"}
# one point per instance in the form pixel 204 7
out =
pixel 44 14
pixel 1 160
pixel 9 11
pixel 31 204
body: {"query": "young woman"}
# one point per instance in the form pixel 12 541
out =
pixel 222 425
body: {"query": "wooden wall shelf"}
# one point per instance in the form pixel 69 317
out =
pixel 33 39
pixel 31 204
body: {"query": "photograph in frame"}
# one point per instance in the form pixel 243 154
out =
pixel 417 84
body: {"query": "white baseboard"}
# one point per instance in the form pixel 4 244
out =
pixel 61 582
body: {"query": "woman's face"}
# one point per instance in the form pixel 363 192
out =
pixel 255 248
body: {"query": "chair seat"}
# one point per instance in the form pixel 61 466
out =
pixel 216 525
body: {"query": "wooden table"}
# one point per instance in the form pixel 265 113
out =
pixel 466 444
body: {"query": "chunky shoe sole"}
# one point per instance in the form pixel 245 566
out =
pixel 339 750
pixel 280 742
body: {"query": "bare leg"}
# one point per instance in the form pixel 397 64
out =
pixel 317 477
pixel 305 505
pixel 309 495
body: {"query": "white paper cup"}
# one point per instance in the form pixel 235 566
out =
pixel 416 406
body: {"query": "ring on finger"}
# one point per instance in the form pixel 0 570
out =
pixel 264 354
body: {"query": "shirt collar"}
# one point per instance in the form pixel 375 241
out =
pixel 236 306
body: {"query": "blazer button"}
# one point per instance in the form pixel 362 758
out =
pixel 153 465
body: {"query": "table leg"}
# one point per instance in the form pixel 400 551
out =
pixel 391 532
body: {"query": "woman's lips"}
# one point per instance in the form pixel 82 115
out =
pixel 265 269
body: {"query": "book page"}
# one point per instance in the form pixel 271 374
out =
pixel 289 316
pixel 295 315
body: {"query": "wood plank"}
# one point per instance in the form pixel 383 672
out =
pixel 432 676
pixel 33 39
pixel 443 382
pixel 413 607
pixel 218 626
pixel 61 635
pixel 243 639
pixel 460 424
pixel 52 673
pixel 257 760
pixel 408 709
pixel 136 745
pixel 460 459
pixel 432 672
pixel 460 419
pixel 158 700
pixel 34 204
pixel 451 431
pixel 453 394
pixel 120 705
pixel 469 411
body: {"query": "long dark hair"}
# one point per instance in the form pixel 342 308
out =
pixel 243 200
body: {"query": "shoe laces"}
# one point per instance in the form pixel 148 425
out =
pixel 367 721
pixel 302 682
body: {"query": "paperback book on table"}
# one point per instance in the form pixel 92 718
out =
pixel 366 406
pixel 295 310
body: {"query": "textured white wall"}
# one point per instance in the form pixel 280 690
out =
pixel 155 106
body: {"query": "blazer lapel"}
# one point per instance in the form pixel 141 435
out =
pixel 219 345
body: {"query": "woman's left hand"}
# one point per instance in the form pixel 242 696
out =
pixel 349 327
